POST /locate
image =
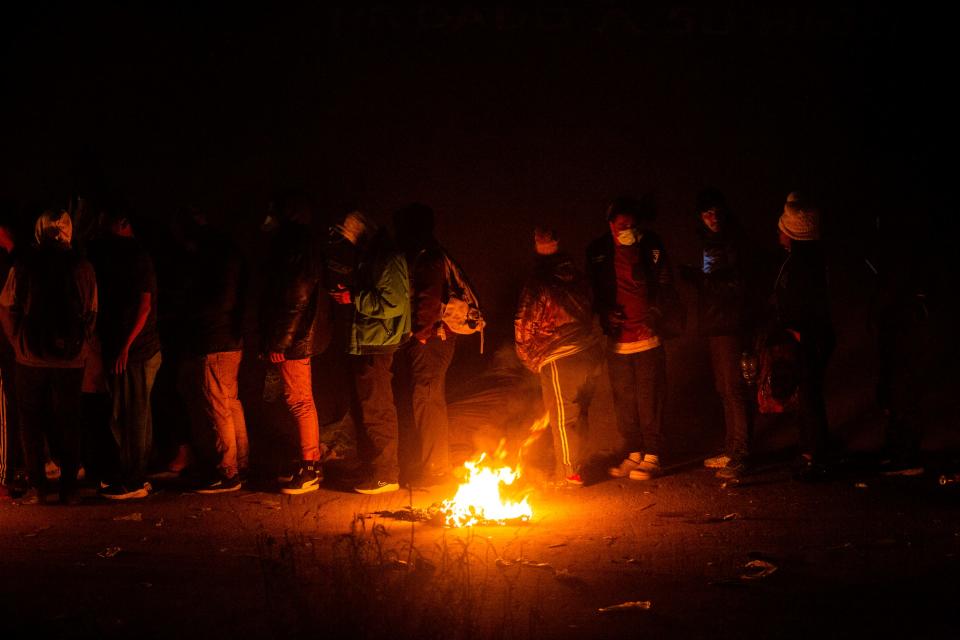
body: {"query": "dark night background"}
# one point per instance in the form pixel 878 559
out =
pixel 500 119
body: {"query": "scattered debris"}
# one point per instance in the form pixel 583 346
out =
pixel 160 523
pixel 36 532
pixel 714 519
pixel 109 552
pixel 757 569
pixel 564 576
pixel 406 514
pixel 861 485
pixel 635 605
pixel 132 517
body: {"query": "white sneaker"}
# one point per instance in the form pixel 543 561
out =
pixel 646 470
pixel 717 462
pixel 629 463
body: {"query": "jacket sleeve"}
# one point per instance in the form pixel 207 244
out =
pixel 429 280
pixel 390 297
pixel 292 304
pixel 525 326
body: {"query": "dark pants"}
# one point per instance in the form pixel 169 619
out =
pixel 728 380
pixel 567 385
pixel 639 385
pixel 378 425
pixel 48 400
pixel 10 446
pixel 812 409
pixel 131 420
pixel 428 371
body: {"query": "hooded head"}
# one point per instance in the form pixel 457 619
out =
pixel 54 227
pixel 356 226
pixel 800 219
pixel 711 209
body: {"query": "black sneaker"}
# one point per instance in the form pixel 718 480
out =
pixel 305 480
pixel 373 487
pixel 118 491
pixel 220 484
pixel 736 467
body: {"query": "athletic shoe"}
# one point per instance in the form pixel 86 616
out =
pixel 118 491
pixel 220 484
pixel 373 487
pixel 648 469
pixel 305 480
pixel 574 480
pixel 901 467
pixel 630 463
pixel 735 468
pixel 717 462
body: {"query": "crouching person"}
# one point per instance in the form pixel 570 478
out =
pixel 557 338
pixel 381 303
pixel 48 309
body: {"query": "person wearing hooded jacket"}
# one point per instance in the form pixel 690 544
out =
pixel 721 295
pixel 295 326
pixel 556 337
pixel 48 310
pixel 379 296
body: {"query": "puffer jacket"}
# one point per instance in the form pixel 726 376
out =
pixel 381 300
pixel 801 296
pixel 295 308
pixel 652 277
pixel 555 316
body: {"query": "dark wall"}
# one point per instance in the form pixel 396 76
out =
pixel 499 119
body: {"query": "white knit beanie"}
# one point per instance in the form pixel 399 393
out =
pixel 799 221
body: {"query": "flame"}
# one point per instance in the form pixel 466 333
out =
pixel 479 499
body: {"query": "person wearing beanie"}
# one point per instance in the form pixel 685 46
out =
pixel 801 308
pixel 556 337
pixel 721 295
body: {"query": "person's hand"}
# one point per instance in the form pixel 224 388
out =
pixel 616 319
pixel 121 363
pixel 341 295
pixel 276 357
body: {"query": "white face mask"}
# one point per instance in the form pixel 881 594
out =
pixel 627 237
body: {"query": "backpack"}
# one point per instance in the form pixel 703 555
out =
pixel 53 324
pixel 461 308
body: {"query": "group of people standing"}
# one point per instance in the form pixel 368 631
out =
pixel 81 339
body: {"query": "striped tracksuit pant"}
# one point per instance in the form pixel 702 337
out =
pixel 567 385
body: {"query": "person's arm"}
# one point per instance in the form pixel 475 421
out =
pixel 390 297
pixel 9 307
pixel 526 324
pixel 143 312
pixel 301 284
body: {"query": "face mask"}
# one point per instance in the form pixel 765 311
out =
pixel 269 224
pixel 627 237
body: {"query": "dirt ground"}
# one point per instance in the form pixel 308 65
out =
pixel 861 556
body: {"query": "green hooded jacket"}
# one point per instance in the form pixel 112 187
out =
pixel 382 319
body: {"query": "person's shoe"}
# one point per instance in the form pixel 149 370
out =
pixel 717 462
pixel 305 480
pixel 118 491
pixel 574 480
pixel 220 484
pixel 647 469
pixel 630 463
pixel 33 495
pixel 736 467
pixel 373 487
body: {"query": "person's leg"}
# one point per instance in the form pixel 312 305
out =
pixel 32 395
pixel 220 394
pixel 67 388
pixel 372 378
pixel 428 367
pixel 7 431
pixel 725 359
pixel 298 395
pixel 812 414
pixel 623 384
pixel 650 369
pixel 571 381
